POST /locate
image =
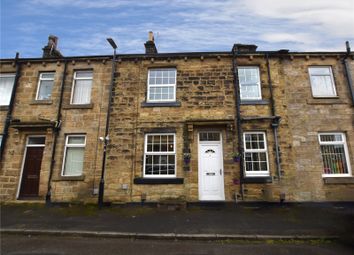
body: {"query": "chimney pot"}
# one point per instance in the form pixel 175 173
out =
pixel 150 47
pixel 151 36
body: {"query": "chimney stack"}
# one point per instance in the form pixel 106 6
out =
pixel 244 48
pixel 150 47
pixel 50 50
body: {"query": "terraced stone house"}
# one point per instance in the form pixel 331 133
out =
pixel 241 125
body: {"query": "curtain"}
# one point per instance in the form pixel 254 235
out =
pixel 82 92
pixel 45 90
pixel 74 161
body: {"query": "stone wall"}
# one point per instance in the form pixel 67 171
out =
pixel 205 101
pixel 307 117
pixel 88 120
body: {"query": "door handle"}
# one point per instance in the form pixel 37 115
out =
pixel 220 172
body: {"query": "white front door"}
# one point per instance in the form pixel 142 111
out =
pixel 211 172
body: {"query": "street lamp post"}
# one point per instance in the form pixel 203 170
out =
pixel 106 136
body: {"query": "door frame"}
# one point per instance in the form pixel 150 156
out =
pixel 220 143
pixel 24 159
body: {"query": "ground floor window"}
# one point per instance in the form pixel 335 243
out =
pixel 335 154
pixel 160 155
pixel 73 161
pixel 256 154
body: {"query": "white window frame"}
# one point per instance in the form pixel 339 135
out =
pixel 160 153
pixel 256 173
pixel 258 83
pixel 8 75
pixel 39 84
pixel 346 153
pixel 161 85
pixel 74 84
pixel 332 80
pixel 74 146
pixel 1 137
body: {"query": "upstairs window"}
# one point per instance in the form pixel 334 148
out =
pixel 81 92
pixel 45 86
pixel 6 85
pixel 250 84
pixel 160 155
pixel 74 155
pixel 335 155
pixel 256 154
pixel 162 85
pixel 322 82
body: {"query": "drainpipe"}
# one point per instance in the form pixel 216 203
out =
pixel 347 71
pixel 56 135
pixel 11 105
pixel 238 115
pixel 106 136
pixel 275 121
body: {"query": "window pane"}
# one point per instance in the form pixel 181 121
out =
pixel 76 140
pixel 331 137
pixel 209 136
pixel 84 74
pixel 47 76
pixel 36 140
pixel 82 92
pixel 0 140
pixel 320 70
pixel 322 86
pixel 45 90
pixel 74 161
pixel 152 74
pixel 171 169
pixel 6 85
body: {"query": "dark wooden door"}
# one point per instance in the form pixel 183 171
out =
pixel 31 172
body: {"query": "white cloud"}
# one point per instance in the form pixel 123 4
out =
pixel 189 25
pixel 332 17
pixel 287 37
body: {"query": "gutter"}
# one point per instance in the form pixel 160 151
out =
pixel 238 116
pixel 179 55
pixel 11 106
pixel 275 121
pixel 347 72
pixel 56 134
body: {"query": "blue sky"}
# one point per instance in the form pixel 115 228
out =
pixel 179 26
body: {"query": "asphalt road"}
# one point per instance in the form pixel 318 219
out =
pixel 53 245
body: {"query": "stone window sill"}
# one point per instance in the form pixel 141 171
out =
pixel 154 181
pixel 41 102
pixel 254 102
pixel 78 106
pixel 4 107
pixel 265 179
pixel 325 100
pixel 69 178
pixel 338 180
pixel 166 104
